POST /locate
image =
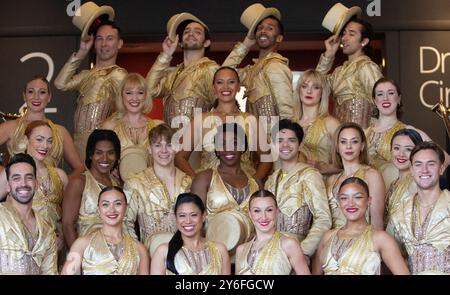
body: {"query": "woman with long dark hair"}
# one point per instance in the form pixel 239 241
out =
pixel 188 252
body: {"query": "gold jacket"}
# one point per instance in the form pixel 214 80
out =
pixel 269 76
pixel 301 195
pixel 99 260
pixel 152 204
pixel 270 260
pixel 352 79
pixel 195 81
pixel 15 255
pixel 428 252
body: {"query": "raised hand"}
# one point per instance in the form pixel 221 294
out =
pixel 249 42
pixel 332 45
pixel 169 46
pixel 85 46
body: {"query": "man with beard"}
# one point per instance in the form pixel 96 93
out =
pixel 299 189
pixel 98 87
pixel 268 81
pixel 27 242
pixel 422 222
pixel 189 84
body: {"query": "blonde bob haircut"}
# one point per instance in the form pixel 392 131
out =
pixel 363 155
pixel 315 77
pixel 134 79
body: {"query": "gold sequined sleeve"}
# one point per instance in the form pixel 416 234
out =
pixel 316 197
pixel 235 58
pixel 158 75
pixel 280 78
pixel 131 214
pixel 325 64
pixel 369 73
pixel 67 79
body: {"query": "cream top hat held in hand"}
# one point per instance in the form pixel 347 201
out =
pixel 338 16
pixel 177 19
pixel 87 13
pixel 254 14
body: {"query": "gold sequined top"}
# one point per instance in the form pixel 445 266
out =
pixel 22 252
pixel 317 142
pixel 428 243
pixel 269 260
pixel 195 80
pixel 303 205
pixel 88 218
pixel 48 203
pixel 379 144
pixel 338 216
pixel 268 76
pixel 207 261
pixel 17 145
pixel 351 80
pixel 151 202
pixel 99 257
pixel 209 159
pixel 219 198
pixel 358 258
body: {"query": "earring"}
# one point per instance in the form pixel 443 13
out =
pixel 363 44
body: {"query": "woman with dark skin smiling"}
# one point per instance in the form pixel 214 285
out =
pixel 357 248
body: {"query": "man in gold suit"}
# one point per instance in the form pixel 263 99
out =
pixel 422 223
pixel 155 190
pixel 352 82
pixel 27 241
pixel 268 81
pixel 299 189
pixel 98 87
pixel 189 84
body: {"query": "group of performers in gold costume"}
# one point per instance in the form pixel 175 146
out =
pixel 282 188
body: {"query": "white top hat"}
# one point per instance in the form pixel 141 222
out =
pixel 338 16
pixel 177 19
pixel 254 14
pixel 87 13
pixel 132 160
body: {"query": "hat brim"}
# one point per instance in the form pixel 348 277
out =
pixel 108 10
pixel 132 160
pixel 172 30
pixel 353 11
pixel 267 12
pixel 155 240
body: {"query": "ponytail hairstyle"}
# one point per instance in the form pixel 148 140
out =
pixel 176 242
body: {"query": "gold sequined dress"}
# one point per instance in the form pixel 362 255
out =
pixel 152 204
pixel 98 92
pixel 268 84
pixel 269 260
pixel 302 201
pixel 426 239
pixel 183 88
pixel 102 258
pixel 22 252
pixel 351 256
pixel 379 150
pixel 317 142
pixel 207 261
pixel 88 218
pixel 17 145
pixel 351 84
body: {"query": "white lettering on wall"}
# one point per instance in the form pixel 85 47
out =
pixel 438 61
pixel 374 8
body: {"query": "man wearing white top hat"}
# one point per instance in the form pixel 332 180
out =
pixel 189 84
pixel 352 82
pixel 98 87
pixel 268 81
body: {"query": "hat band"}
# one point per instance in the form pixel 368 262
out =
pixel 338 24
